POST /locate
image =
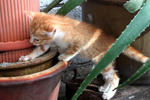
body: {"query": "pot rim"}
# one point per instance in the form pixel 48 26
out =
pixel 50 72
pixel 49 55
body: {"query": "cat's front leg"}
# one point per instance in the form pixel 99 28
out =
pixel 70 53
pixel 38 51
pixel 67 57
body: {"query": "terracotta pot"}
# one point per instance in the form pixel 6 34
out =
pixel 113 18
pixel 38 79
pixel 14 32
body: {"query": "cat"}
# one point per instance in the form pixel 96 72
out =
pixel 73 37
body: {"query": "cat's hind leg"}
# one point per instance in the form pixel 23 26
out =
pixel 110 77
pixel 111 82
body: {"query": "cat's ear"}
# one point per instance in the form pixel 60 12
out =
pixel 30 14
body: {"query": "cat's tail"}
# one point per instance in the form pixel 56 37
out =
pixel 135 54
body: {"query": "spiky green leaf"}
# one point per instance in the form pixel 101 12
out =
pixel 137 75
pixel 139 23
pixel 133 5
pixel 68 6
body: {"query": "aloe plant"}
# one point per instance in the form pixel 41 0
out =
pixel 131 32
pixel 146 66
pixel 137 25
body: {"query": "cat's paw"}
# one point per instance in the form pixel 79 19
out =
pixel 108 95
pixel 108 90
pixel 25 58
pixel 64 57
pixel 105 88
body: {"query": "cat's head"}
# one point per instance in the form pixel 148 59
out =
pixel 41 30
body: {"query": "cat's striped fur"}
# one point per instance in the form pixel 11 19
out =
pixel 72 37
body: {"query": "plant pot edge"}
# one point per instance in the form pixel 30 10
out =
pixel 50 72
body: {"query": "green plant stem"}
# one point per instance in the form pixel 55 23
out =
pixel 51 5
pixel 132 31
pixel 68 6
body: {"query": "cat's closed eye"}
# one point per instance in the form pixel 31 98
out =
pixel 36 40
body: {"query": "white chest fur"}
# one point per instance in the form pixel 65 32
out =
pixel 58 40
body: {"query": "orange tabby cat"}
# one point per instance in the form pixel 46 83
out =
pixel 72 37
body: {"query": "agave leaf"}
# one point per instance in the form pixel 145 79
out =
pixel 51 5
pixel 68 6
pixel 133 5
pixel 137 75
pixel 139 23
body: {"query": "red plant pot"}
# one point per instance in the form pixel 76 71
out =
pixel 14 32
pixel 43 85
pixel 38 79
